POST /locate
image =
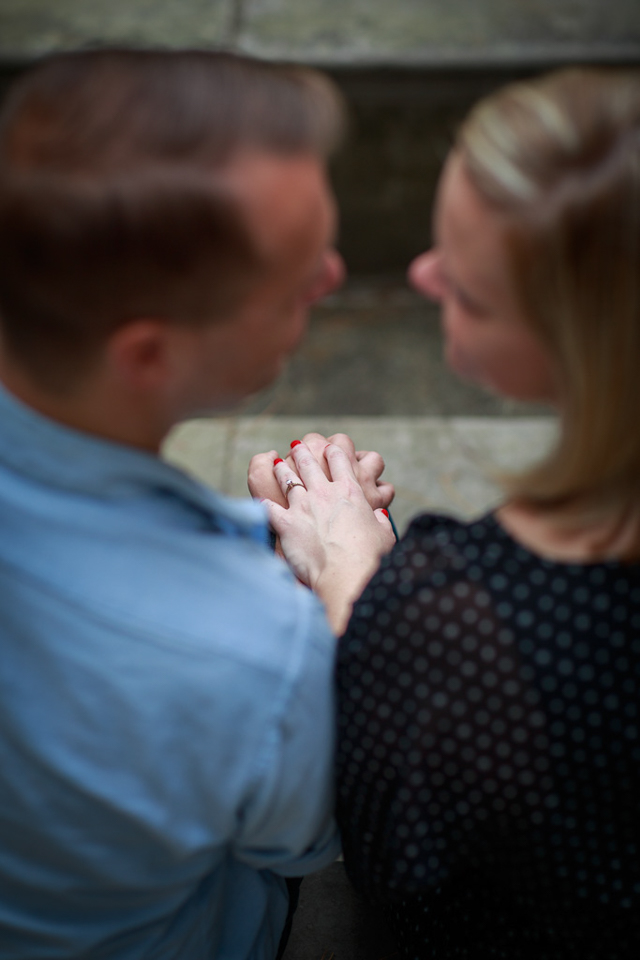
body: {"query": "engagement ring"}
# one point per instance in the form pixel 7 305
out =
pixel 292 483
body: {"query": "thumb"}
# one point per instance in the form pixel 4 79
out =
pixel 383 518
pixel 277 515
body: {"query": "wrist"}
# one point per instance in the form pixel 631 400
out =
pixel 339 586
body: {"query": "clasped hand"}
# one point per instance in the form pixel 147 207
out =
pixel 330 534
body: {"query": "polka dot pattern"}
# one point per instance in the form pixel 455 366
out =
pixel 488 751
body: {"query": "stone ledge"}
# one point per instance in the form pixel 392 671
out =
pixel 424 32
pixel 427 34
pixel 34 28
pixel 436 463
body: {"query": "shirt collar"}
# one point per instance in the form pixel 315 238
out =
pixel 59 456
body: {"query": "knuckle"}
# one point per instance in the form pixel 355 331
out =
pixel 257 461
pixel 313 438
pixel 343 440
pixel 335 453
pixel 304 459
pixel 377 463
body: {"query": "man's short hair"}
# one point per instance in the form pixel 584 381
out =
pixel 113 202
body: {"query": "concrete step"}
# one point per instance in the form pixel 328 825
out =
pixel 435 463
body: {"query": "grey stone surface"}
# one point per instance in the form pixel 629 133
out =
pixel 30 28
pixel 424 32
pixel 435 463
pixel 375 348
pixel 202 448
pixel 437 31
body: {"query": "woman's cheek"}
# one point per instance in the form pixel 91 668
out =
pixel 455 351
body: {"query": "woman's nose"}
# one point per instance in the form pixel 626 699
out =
pixel 331 276
pixel 425 275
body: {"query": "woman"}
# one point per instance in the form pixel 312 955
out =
pixel 489 674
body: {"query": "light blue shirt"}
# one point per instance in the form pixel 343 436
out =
pixel 166 711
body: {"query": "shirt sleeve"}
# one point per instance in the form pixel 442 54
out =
pixel 288 826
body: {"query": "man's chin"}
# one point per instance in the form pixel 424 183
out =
pixel 233 405
pixel 458 367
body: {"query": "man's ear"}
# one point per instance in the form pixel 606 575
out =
pixel 142 354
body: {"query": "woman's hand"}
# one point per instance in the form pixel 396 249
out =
pixel 329 534
pixel 367 466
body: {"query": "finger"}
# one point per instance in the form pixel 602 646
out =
pixel 340 465
pixel 370 464
pixel 383 519
pixel 368 470
pixel 277 515
pixel 346 444
pixel 308 468
pixel 316 443
pixel 260 479
pixel 386 493
pixel 288 480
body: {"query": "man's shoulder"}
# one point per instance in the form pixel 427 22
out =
pixel 192 624
pixel 186 573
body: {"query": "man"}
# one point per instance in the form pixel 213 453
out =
pixel 166 724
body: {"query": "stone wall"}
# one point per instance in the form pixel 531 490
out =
pixel 347 32
pixel 409 69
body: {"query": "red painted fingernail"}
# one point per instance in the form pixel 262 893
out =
pixel 386 513
pixel 294 443
pixel 278 460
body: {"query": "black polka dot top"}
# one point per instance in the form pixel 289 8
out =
pixel 488 756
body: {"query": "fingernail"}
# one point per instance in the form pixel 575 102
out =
pixel 294 443
pixel 386 513
pixel 278 460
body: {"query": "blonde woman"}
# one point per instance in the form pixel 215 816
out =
pixel 489 674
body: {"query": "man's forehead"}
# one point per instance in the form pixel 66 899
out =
pixel 282 197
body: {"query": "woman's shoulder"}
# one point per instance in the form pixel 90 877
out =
pixel 479 557
pixel 444 527
pixel 438 552
pixel 440 537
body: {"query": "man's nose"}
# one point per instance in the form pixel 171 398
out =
pixel 331 276
pixel 425 275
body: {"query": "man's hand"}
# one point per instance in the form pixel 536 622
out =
pixel 330 536
pixel 367 466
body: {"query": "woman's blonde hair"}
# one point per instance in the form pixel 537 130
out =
pixel 559 157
